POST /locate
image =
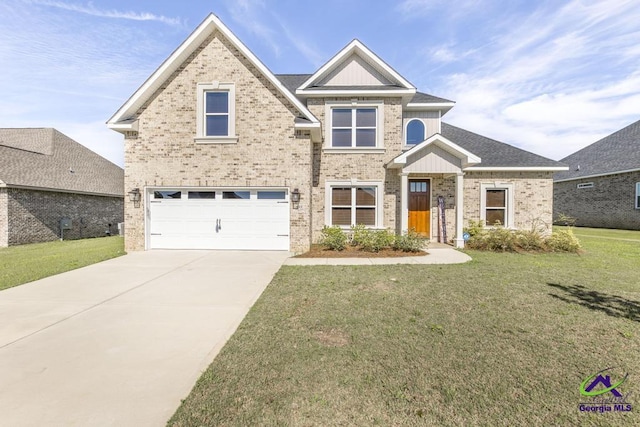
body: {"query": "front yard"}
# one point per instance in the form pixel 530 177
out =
pixel 503 340
pixel 26 263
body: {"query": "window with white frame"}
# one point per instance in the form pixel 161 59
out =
pixel 497 204
pixel 216 113
pixel 349 205
pixel 414 133
pixel 637 195
pixel 355 125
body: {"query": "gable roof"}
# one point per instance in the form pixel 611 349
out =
pixel 122 120
pixel 394 81
pixel 497 155
pixel 43 158
pixel 618 152
pixel 467 158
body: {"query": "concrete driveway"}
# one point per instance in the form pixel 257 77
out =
pixel 122 341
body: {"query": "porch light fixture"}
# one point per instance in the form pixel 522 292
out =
pixel 134 196
pixel 295 196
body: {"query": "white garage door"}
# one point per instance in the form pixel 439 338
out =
pixel 195 218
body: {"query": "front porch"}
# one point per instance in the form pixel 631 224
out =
pixel 431 189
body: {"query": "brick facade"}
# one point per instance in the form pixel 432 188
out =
pixel 610 203
pixel 268 151
pixel 34 216
pixel 533 196
pixel 4 225
pixel 332 166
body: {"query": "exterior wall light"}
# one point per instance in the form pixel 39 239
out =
pixel 134 196
pixel 295 196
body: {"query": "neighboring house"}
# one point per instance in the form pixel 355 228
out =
pixel 45 178
pixel 602 186
pixel 227 155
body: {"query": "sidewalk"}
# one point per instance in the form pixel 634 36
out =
pixel 438 255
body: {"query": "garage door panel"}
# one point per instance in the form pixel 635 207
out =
pixel 221 223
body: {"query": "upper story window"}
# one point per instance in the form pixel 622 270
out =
pixel 216 113
pixel 353 127
pixel 415 132
pixel 356 125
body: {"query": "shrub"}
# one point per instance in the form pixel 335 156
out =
pixel 475 228
pixel 359 233
pixel 500 239
pixel 410 242
pixel 563 241
pixel 530 240
pixel 375 240
pixel 333 238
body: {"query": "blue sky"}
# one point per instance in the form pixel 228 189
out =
pixel 546 76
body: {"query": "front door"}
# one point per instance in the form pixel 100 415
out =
pixel 420 206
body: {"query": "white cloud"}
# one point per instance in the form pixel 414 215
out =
pixel 90 9
pixel 249 14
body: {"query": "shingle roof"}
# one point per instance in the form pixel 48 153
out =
pixel 45 158
pixel 425 98
pixel 617 152
pixel 294 81
pixel 495 153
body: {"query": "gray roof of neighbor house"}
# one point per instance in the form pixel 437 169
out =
pixel 494 153
pixel 294 81
pixel 43 158
pixel 617 152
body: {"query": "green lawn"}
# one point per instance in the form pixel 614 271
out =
pixel 503 340
pixel 26 263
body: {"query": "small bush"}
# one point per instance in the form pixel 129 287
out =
pixel 530 240
pixel 359 233
pixel 410 242
pixel 563 241
pixel 375 240
pixel 475 228
pixel 333 238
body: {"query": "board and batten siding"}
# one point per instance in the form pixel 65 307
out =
pixel 431 120
pixel 433 159
pixel 355 72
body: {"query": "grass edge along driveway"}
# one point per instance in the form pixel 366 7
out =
pixel 503 340
pixel 26 263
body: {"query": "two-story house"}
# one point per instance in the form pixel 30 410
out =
pixel 220 153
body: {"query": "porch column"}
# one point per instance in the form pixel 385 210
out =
pixel 459 241
pixel 404 201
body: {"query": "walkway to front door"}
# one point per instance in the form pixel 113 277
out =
pixel 420 206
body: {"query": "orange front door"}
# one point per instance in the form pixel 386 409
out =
pixel 420 206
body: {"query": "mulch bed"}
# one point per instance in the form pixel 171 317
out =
pixel 319 251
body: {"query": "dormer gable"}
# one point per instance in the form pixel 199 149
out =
pixel 356 70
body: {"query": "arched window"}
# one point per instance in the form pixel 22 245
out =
pixel 415 132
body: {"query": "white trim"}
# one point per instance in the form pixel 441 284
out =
pixel 379 185
pixel 173 62
pixel 459 240
pixel 404 134
pixel 379 107
pixel 516 168
pixel 321 93
pixel 202 89
pixel 637 195
pixel 404 201
pixel 354 150
pixel 355 47
pixel 597 175
pixel 465 156
pixel 510 201
pixel 429 106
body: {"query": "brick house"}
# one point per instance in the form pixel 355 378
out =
pixel 602 186
pixel 46 177
pixel 227 155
